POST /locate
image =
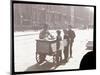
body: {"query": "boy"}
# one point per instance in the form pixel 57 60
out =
pixel 66 46
pixel 58 53
pixel 71 35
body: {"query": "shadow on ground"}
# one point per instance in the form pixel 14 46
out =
pixel 43 67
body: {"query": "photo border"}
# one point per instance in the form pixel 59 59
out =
pixel 45 3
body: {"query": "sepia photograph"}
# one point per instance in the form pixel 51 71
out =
pixel 52 37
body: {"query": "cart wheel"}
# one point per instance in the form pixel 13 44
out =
pixel 40 57
pixel 37 57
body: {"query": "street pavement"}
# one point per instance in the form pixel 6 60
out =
pixel 25 51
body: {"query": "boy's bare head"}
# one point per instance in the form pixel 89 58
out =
pixel 58 32
pixel 65 31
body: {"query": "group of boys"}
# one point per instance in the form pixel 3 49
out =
pixel 69 36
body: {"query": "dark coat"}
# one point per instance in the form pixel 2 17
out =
pixel 71 35
pixel 58 39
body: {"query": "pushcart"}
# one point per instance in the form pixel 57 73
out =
pixel 46 47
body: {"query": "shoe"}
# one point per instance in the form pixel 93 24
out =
pixel 64 62
pixel 71 57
